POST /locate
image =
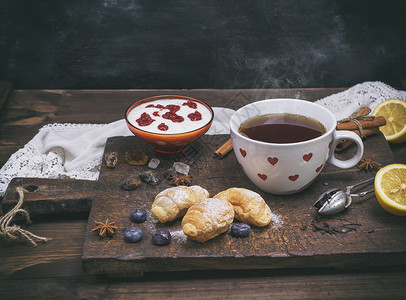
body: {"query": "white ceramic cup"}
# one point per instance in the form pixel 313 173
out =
pixel 289 168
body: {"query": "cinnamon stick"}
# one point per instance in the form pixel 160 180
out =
pixel 368 131
pixel 223 150
pixel 363 111
pixel 369 127
pixel 376 122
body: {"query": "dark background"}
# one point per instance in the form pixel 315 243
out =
pixel 201 44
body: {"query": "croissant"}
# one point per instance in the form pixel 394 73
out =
pixel 249 207
pixel 173 203
pixel 207 219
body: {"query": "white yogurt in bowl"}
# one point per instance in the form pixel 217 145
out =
pixel 169 116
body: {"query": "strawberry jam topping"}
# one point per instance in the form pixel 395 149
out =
pixel 145 120
pixel 160 106
pixel 172 108
pixel 181 112
pixel 163 127
pixel 173 117
pixel 196 116
pixel 191 104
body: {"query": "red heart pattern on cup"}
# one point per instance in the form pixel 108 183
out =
pixel 273 160
pixel 243 152
pixel 293 177
pixel 262 176
pixel 319 168
pixel 307 157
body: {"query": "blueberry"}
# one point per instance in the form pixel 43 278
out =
pixel 161 237
pixel 133 235
pixel 240 230
pixel 138 215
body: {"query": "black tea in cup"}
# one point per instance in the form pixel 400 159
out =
pixel 282 128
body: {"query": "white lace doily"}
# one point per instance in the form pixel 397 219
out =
pixel 367 94
pixel 75 150
pixel 60 151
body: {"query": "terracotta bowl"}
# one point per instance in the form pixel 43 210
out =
pixel 167 143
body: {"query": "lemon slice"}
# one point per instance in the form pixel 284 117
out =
pixel 390 188
pixel 394 111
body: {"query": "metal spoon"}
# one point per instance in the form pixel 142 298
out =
pixel 336 200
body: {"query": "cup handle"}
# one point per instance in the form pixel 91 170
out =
pixel 349 163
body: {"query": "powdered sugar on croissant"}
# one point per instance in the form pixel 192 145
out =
pixel 173 203
pixel 249 206
pixel 207 219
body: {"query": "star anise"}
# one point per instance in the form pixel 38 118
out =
pixel 367 164
pixel 182 180
pixel 105 229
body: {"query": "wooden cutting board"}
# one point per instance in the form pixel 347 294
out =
pixel 363 235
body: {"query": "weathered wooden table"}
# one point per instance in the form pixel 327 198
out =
pixel 55 269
